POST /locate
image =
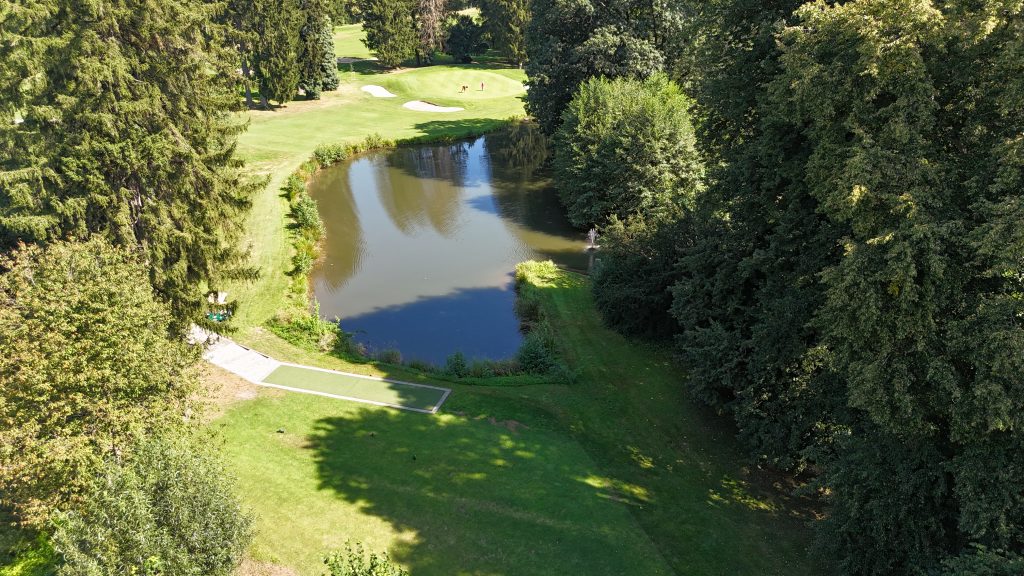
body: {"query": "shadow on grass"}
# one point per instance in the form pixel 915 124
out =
pixel 480 495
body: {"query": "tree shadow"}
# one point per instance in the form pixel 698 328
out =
pixel 481 496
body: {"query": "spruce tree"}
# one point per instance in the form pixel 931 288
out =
pixel 319 69
pixel 276 25
pixel 126 131
pixel 390 29
pixel 505 21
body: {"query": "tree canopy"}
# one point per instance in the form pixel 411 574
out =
pixel 86 368
pixel 390 29
pixel 127 132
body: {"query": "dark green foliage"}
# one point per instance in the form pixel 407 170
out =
pixel 465 38
pixel 455 365
pixel 390 29
pixel 505 21
pixel 354 561
pixel 626 148
pixel 535 355
pixel 569 42
pixel 308 330
pixel 980 561
pixel 86 369
pixel 129 134
pixel 317 63
pixel 854 295
pixel 277 48
pixel 637 268
pixel 307 217
pixel 166 509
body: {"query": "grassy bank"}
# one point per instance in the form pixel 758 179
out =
pixel 614 474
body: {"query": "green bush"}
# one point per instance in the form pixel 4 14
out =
pixel 376 142
pixel 309 330
pixel 456 365
pixel 166 509
pixel 354 561
pixel 626 147
pixel 307 217
pixel 390 356
pixel 327 154
pixel 422 366
pixel 535 354
pixel 294 186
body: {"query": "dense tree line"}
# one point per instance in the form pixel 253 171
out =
pixel 284 45
pixel 126 132
pixel 569 42
pixel 848 286
pixel 97 410
pixel 121 205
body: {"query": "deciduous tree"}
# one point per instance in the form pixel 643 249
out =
pixel 86 368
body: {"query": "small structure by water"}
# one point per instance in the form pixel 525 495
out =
pixel 592 239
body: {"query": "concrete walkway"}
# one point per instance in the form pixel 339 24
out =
pixel 263 370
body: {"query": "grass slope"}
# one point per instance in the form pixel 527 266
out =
pixel 615 474
pixel 278 141
pixel 348 42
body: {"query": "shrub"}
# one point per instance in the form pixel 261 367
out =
pixel 307 217
pixel 354 561
pixel 535 354
pixel 327 154
pixel 390 356
pixel 455 365
pixel 309 330
pixel 422 366
pixel 376 142
pixel 480 369
pixel 166 509
pixel 294 186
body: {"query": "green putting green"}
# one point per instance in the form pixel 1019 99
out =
pixel 360 388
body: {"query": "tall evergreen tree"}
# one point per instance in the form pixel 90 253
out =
pixel 126 131
pixel 276 25
pixel 390 29
pixel 505 21
pixel 319 68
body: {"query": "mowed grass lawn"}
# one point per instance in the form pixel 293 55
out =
pixel 278 141
pixel 616 474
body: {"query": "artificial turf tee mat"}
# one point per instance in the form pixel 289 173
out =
pixel 394 393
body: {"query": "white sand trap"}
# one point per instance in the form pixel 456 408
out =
pixel 421 106
pixel 378 91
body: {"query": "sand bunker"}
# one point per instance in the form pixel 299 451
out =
pixel 378 91
pixel 421 106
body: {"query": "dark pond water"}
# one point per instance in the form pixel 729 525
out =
pixel 422 243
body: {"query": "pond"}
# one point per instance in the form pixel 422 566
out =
pixel 422 244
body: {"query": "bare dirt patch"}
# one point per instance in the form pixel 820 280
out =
pixel 250 567
pixel 221 389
